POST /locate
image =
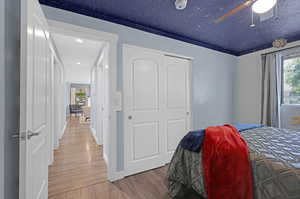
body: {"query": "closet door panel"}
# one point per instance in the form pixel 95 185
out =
pixel 144 127
pixel 176 110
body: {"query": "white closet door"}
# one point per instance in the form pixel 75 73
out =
pixel 177 106
pixel 156 107
pixel 144 126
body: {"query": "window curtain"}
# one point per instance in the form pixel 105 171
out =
pixel 271 90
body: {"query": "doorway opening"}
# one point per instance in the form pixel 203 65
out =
pixel 81 142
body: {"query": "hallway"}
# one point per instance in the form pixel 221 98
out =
pixel 78 161
pixel 79 171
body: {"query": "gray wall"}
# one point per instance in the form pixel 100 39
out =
pixel 248 89
pixel 9 96
pixel 2 98
pixel 212 72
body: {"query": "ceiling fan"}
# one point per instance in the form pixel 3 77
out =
pixel 258 6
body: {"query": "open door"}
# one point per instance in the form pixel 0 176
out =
pixel 34 101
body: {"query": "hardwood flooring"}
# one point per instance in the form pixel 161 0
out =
pixel 79 172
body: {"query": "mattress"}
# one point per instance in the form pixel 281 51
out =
pixel 275 161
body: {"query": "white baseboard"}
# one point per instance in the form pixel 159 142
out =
pixel 51 161
pixel 118 175
pixel 94 134
pixel 63 130
pixel 56 146
pixel 105 159
pixel 93 131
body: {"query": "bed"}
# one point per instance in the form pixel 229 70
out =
pixel 275 161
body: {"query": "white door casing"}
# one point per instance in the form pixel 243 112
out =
pixel 60 108
pixel 33 117
pixel 105 114
pixel 93 102
pixel 156 107
pixel 99 101
pixel 49 107
pixel 111 39
pixel 57 108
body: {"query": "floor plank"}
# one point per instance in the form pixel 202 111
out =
pixel 79 172
pixel 78 162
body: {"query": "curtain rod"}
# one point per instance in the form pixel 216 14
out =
pixel 275 51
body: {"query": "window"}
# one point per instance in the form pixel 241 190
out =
pixel 291 80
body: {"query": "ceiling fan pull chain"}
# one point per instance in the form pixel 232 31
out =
pixel 276 12
pixel 252 25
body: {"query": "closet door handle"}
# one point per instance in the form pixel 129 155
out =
pixel 129 117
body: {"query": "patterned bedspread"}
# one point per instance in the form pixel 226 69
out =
pixel 275 159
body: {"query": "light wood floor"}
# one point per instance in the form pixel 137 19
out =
pixel 79 172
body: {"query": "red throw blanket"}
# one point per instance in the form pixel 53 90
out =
pixel 226 164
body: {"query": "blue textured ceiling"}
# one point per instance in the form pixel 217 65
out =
pixel 195 24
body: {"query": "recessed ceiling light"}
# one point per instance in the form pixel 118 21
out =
pixel 79 40
pixel 262 6
pixel 78 63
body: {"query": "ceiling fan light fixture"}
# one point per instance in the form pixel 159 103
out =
pixel 263 6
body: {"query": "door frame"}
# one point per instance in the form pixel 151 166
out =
pixel 126 128
pixel 112 40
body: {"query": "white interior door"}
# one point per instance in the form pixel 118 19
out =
pixel 143 97
pixel 177 106
pixel 156 107
pixel 33 147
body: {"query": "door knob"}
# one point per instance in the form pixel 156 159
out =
pixel 32 134
pixel 129 117
pixel 187 113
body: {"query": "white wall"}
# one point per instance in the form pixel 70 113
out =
pixel 99 99
pixel 248 87
pixel 59 103
pixel 78 74
pixel 212 72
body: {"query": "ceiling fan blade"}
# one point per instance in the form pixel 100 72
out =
pixel 235 10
